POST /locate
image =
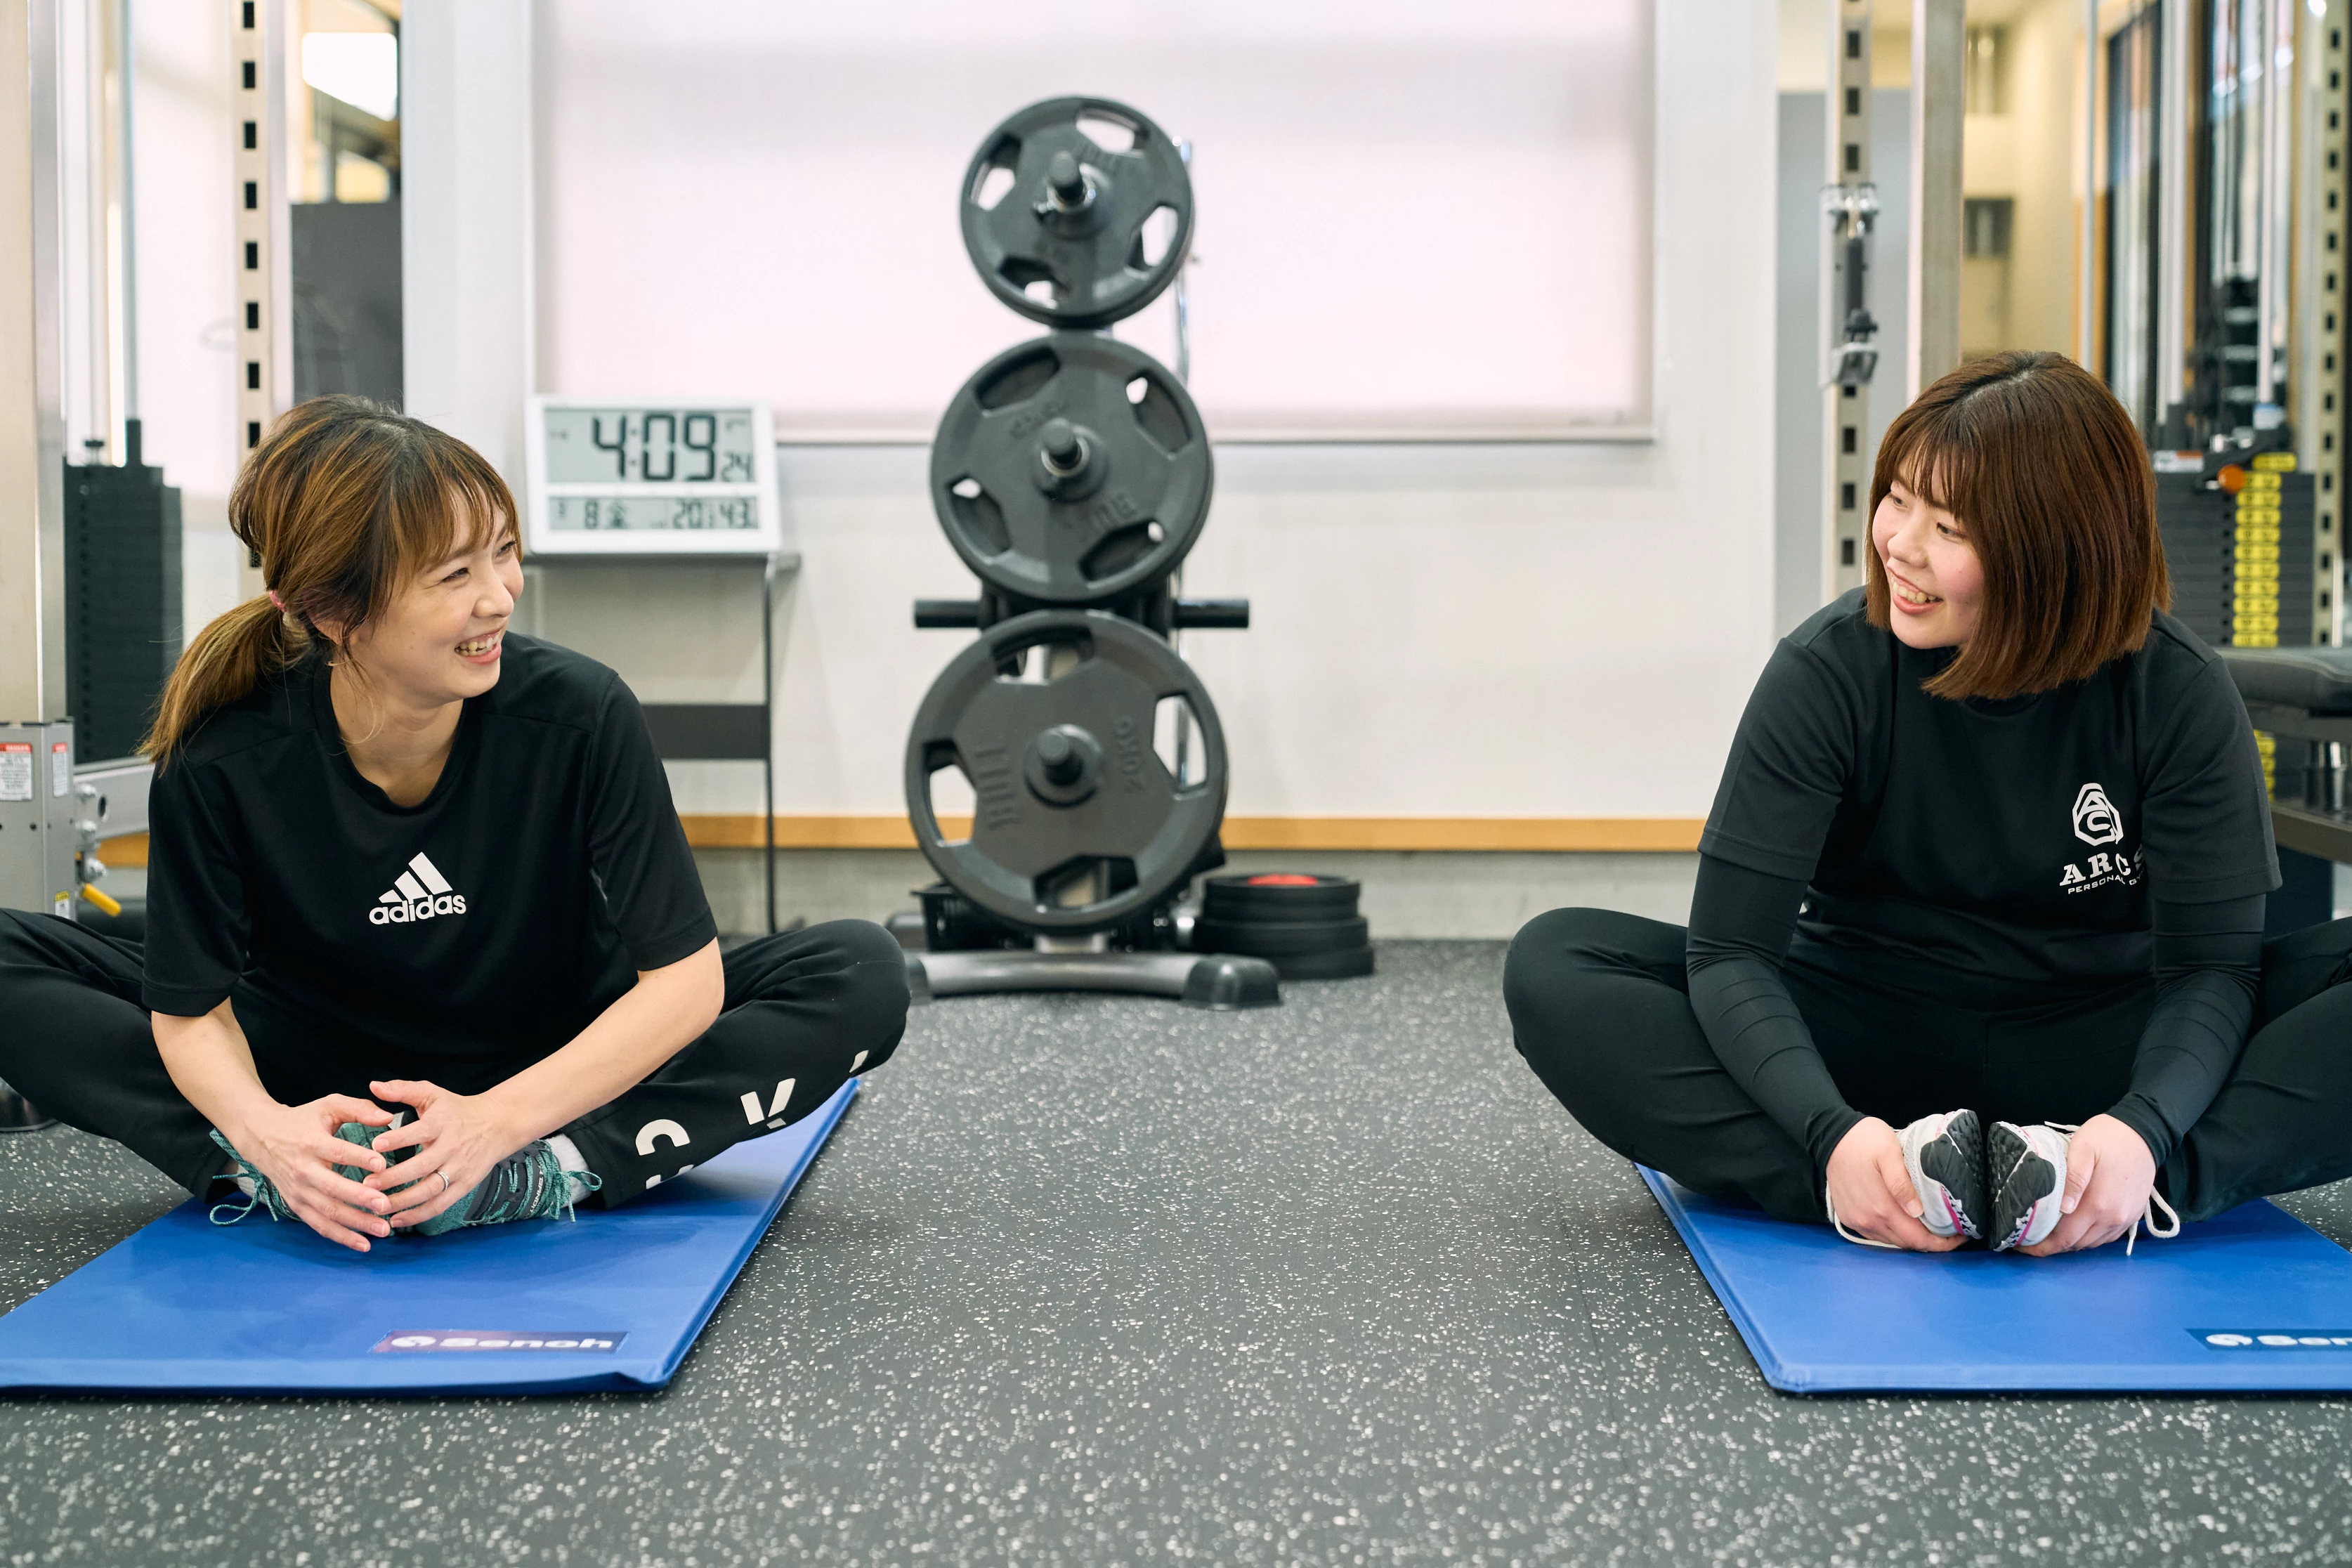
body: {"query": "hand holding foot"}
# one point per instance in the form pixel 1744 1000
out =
pixel 1871 1192
pixel 2109 1176
pixel 457 1139
pixel 295 1149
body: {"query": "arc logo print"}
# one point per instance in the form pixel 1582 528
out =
pixel 2095 820
pixel 420 893
pixel 2098 822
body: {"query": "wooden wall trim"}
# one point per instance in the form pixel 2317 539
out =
pixel 1669 835
pixel 1639 835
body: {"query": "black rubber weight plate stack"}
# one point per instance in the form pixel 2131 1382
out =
pixel 1308 927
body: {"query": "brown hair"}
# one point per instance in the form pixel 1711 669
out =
pixel 343 500
pixel 2050 479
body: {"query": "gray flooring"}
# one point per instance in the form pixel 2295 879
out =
pixel 1097 1280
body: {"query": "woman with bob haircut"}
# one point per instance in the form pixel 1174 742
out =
pixel 404 858
pixel 1976 949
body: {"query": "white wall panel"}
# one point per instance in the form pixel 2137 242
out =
pixel 1550 630
pixel 1407 214
pixel 465 220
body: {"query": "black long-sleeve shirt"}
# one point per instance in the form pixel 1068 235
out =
pixel 1993 853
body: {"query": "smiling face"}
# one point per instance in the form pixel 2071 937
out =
pixel 439 640
pixel 1934 579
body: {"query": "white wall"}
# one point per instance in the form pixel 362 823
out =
pixel 465 251
pixel 777 184
pixel 1535 630
pixel 187 281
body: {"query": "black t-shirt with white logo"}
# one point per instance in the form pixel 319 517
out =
pixel 457 939
pixel 1991 850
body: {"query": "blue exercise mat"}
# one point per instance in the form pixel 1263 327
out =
pixel 611 1300
pixel 2252 1300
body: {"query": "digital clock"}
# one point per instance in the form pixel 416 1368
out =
pixel 615 476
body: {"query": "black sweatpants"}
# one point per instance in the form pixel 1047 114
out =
pixel 805 1011
pixel 1600 1008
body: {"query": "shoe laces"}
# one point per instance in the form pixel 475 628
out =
pixel 2147 1215
pixel 264 1195
pixel 530 1183
pixel 1855 1237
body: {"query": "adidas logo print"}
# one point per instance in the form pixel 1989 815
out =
pixel 421 893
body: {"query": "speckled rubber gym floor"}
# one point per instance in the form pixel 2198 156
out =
pixel 1104 1280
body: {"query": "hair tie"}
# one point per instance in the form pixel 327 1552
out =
pixel 277 601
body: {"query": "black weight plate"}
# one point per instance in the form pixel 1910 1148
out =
pixel 1097 812
pixel 1344 964
pixel 1273 939
pixel 1244 897
pixel 1128 513
pixel 1082 252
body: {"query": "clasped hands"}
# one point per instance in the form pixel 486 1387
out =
pixel 454 1140
pixel 2109 1174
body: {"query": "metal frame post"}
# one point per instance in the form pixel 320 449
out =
pixel 2172 259
pixel 1850 354
pixel 2315 384
pixel 36 801
pixel 2087 296
pixel 259 42
pixel 1939 104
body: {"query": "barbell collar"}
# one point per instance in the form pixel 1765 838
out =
pixel 1212 614
pixel 947 614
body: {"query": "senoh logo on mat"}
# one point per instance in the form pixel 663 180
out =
pixel 593 1341
pixel 2275 1338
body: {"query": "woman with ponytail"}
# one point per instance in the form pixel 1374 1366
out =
pixel 425 945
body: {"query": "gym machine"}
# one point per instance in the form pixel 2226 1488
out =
pixel 1072 475
pixel 2219 323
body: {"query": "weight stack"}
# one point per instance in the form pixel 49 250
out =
pixel 2241 559
pixel 1308 927
pixel 122 598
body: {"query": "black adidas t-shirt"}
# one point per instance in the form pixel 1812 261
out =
pixel 1990 848
pixel 459 939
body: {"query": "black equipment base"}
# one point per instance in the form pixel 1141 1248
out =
pixel 1221 982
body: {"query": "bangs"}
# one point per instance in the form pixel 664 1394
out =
pixel 439 501
pixel 1937 459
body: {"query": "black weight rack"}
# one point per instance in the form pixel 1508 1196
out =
pixel 1072 474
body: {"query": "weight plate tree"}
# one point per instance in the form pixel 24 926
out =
pixel 1071 469
pixel 1055 222
pixel 1078 824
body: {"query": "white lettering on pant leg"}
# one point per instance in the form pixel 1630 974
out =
pixel 751 1117
pixel 775 1116
pixel 652 1133
pixel 2099 865
pixel 858 1060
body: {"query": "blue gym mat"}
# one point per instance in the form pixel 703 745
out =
pixel 2252 1300
pixel 609 1301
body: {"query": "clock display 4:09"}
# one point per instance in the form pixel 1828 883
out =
pixel 649 446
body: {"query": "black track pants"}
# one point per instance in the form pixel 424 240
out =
pixel 805 1011
pixel 1600 1010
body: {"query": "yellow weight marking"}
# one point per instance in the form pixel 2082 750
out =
pixel 2273 462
